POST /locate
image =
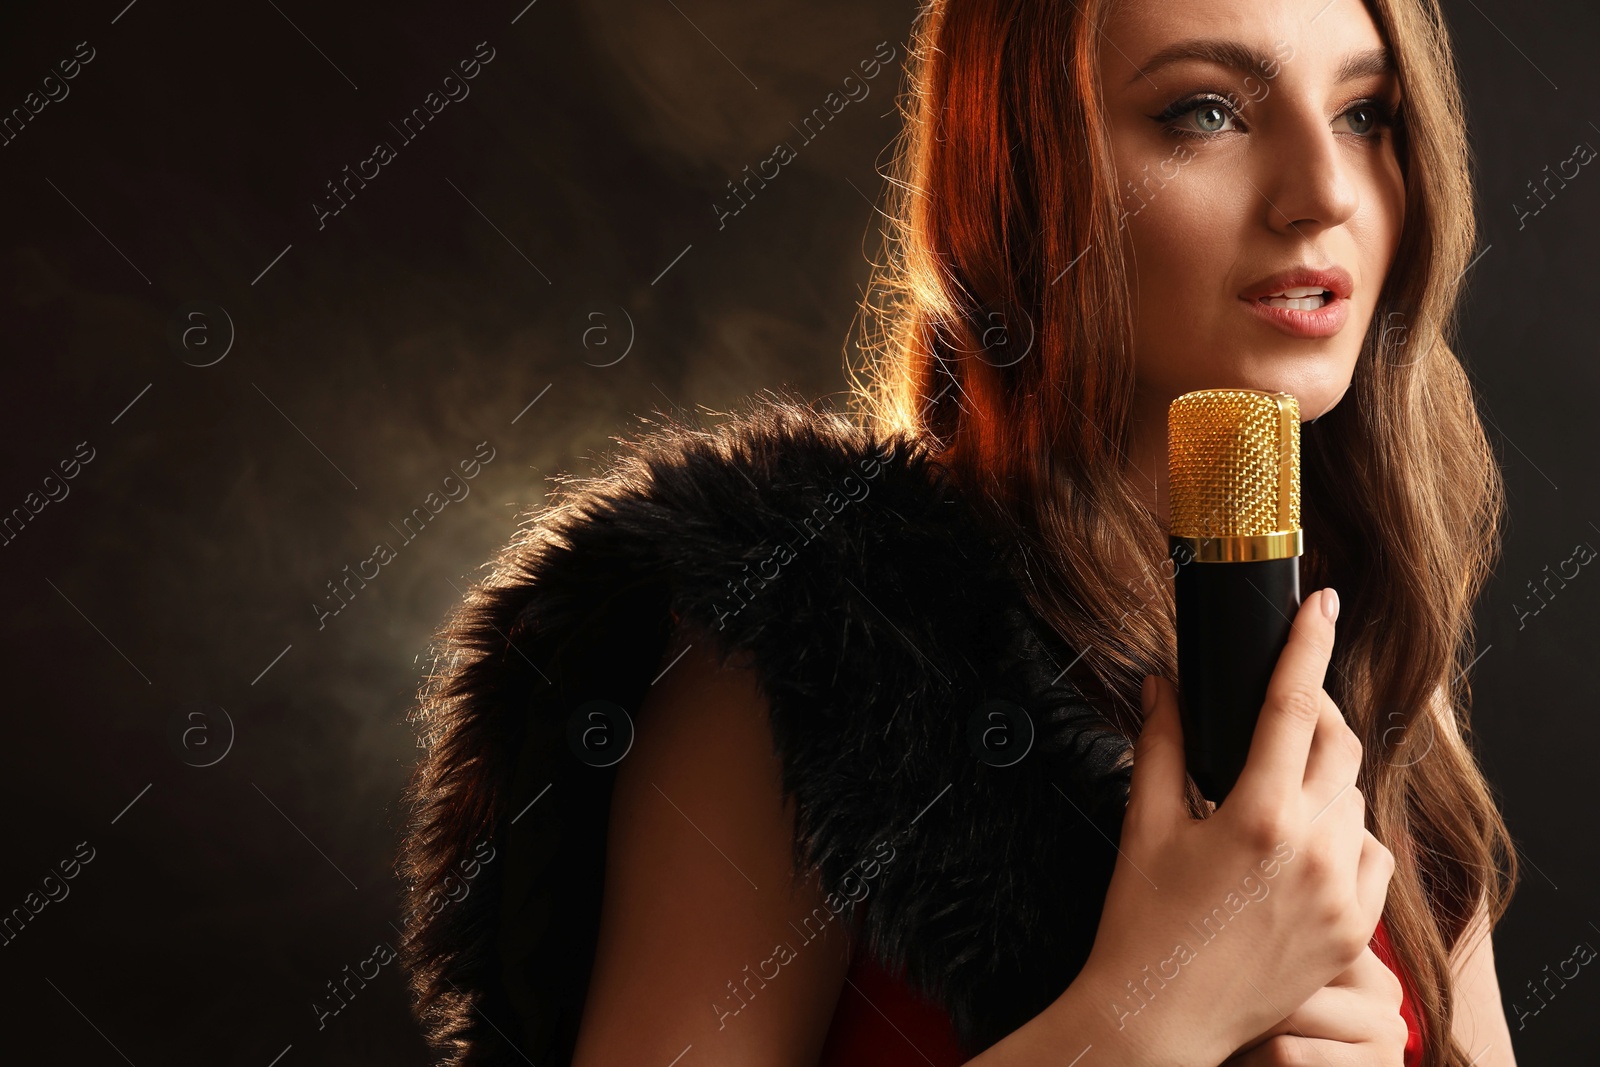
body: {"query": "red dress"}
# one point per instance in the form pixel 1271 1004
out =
pixel 881 1022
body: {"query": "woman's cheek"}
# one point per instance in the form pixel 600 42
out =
pixel 1168 236
pixel 1186 246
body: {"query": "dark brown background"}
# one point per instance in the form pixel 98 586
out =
pixel 576 180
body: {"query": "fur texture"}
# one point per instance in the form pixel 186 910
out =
pixel 882 617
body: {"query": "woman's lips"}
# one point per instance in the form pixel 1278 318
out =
pixel 1325 321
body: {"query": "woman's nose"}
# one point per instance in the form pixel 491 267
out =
pixel 1305 178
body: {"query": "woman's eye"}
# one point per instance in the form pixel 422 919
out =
pixel 1210 118
pixel 1200 117
pixel 1368 119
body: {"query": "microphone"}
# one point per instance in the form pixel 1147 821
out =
pixel 1235 541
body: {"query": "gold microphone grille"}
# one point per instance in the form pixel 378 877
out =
pixel 1234 459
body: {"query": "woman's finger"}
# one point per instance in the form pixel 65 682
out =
pixel 1155 798
pixel 1287 1048
pixel 1334 1013
pixel 1335 758
pixel 1360 1004
pixel 1371 974
pixel 1375 867
pixel 1275 768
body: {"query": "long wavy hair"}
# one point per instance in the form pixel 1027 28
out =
pixel 999 323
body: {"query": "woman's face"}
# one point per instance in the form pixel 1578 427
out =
pixel 1269 155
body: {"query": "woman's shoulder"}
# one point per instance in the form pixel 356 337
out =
pixel 915 705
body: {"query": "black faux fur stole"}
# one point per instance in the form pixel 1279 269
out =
pixel 914 701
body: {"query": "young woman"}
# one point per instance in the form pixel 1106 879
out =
pixel 691 734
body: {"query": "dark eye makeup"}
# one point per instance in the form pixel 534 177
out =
pixel 1378 115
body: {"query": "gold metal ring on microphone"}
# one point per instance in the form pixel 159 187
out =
pixel 1234 548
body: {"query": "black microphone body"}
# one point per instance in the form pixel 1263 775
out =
pixel 1233 619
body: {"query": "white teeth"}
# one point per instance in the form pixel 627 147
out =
pixel 1300 298
pixel 1306 304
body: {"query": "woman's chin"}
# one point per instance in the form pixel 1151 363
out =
pixel 1316 386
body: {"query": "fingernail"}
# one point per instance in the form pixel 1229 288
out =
pixel 1330 603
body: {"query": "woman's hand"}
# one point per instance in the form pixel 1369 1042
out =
pixel 1353 1021
pixel 1274 895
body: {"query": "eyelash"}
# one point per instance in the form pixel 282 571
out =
pixel 1384 116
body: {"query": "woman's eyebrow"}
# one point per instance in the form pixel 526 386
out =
pixel 1236 56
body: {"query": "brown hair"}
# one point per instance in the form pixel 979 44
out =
pixel 999 324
